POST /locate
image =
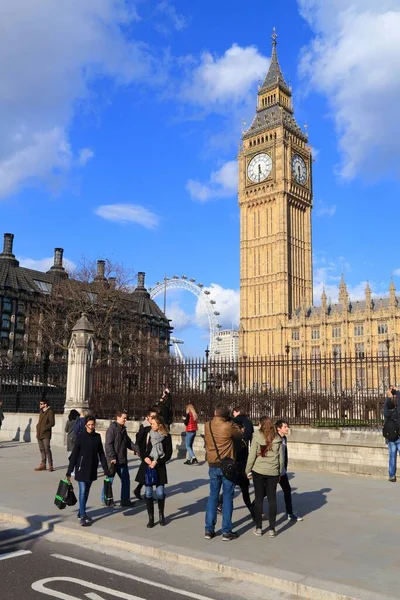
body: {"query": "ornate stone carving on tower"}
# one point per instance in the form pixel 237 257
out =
pixel 275 199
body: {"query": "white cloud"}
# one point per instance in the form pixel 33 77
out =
pixel 325 210
pixel 85 154
pixel 128 213
pixel 179 318
pixel 44 264
pixel 225 80
pixel 227 303
pixel 222 184
pixel 354 60
pixel 51 53
pixel 177 20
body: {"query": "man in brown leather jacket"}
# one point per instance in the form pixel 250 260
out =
pixel 43 434
pixel 219 436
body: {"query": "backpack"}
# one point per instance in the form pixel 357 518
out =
pixel 390 430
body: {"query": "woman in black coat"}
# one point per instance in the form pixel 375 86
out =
pixel 153 470
pixel 87 452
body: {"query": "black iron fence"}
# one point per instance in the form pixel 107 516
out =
pixel 23 384
pixel 317 391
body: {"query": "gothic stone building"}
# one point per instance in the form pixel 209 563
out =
pixel 25 297
pixel 277 316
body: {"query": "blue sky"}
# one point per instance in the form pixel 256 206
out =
pixel 121 122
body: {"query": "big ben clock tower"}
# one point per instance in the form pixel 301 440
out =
pixel 275 199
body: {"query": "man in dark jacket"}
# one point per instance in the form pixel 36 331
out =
pixel 165 407
pixel 43 435
pixel 141 440
pixel 282 429
pixel 116 450
pixel 391 429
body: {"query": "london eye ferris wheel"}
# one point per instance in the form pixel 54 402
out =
pixel 203 295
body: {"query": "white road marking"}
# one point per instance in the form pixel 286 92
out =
pixel 160 586
pixel 14 554
pixel 39 586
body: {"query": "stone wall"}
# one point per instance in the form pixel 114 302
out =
pixel 335 450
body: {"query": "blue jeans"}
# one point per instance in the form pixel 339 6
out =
pixel 228 487
pixel 394 448
pixel 84 489
pixel 190 435
pixel 123 472
pixel 159 491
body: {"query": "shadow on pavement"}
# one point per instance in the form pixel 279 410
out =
pixel 14 539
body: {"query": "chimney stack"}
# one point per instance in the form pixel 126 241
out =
pixel 140 278
pixel 112 281
pixel 8 244
pixel 101 269
pixel 57 269
pixel 7 254
pixel 58 258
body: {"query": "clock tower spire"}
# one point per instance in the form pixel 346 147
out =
pixel 275 199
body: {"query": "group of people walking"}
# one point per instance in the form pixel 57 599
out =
pixel 235 453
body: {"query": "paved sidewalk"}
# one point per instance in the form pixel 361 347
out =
pixel 349 537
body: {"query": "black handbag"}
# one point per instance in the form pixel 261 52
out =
pixel 71 498
pixel 108 493
pixel 228 465
pixel 62 494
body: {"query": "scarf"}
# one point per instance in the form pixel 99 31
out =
pixel 157 451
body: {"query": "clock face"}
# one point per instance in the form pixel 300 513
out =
pixel 299 169
pixel 259 168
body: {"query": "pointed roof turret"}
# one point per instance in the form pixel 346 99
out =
pixel 368 296
pixel 275 76
pixel 274 102
pixel 324 300
pixel 343 293
pixel 392 295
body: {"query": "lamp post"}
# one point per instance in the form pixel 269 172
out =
pixel 388 358
pixel 207 353
pixel 287 350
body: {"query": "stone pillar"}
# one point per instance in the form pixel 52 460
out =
pixel 80 359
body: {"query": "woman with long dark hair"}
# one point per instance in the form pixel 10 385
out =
pixel 69 429
pixel 264 465
pixel 87 452
pixel 153 471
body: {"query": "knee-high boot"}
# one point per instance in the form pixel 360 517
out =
pixel 150 512
pixel 161 505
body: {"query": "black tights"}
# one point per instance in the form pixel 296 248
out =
pixel 264 485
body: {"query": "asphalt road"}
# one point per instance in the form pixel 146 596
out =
pixel 34 566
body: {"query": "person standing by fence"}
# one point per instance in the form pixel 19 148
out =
pixel 264 465
pixel 153 471
pixel 191 430
pixel 43 435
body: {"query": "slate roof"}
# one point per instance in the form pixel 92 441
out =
pixel 21 280
pixel 272 116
